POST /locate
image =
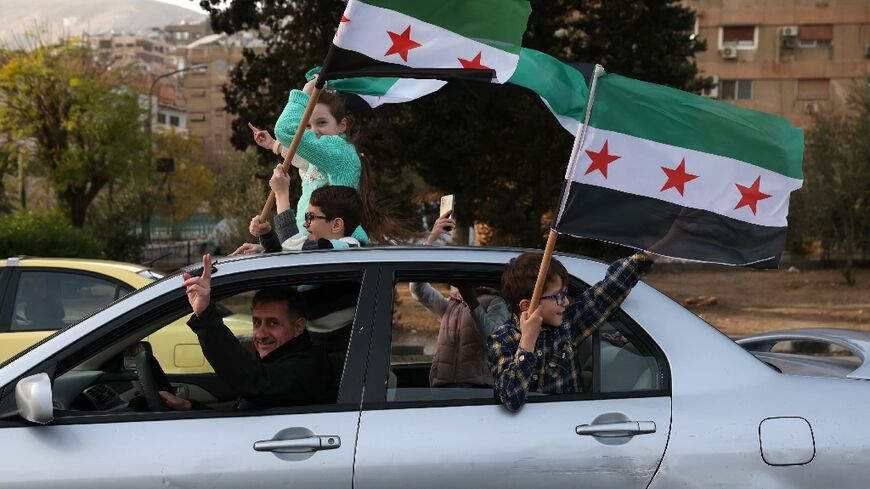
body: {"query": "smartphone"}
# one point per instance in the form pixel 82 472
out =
pixel 447 205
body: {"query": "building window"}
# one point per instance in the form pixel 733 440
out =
pixel 742 36
pixel 161 118
pixel 813 89
pixel 174 120
pixel 735 89
pixel 196 92
pixel 181 35
pixel 815 36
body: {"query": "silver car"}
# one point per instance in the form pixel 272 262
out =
pixel 668 400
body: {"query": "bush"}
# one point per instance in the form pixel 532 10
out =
pixel 115 219
pixel 51 234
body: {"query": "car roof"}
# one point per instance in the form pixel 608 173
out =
pixel 93 265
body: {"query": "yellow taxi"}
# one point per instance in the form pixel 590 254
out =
pixel 41 295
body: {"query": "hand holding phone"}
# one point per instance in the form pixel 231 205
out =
pixel 447 209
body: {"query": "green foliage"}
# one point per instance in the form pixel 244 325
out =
pixel 28 233
pixel 238 197
pixel 499 150
pixel 115 219
pixel 833 209
pixel 80 115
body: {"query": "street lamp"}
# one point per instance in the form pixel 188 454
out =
pixel 146 219
pixel 200 68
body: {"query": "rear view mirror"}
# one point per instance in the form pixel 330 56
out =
pixel 34 400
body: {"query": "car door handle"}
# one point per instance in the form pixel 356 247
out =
pixel 299 445
pixel 612 430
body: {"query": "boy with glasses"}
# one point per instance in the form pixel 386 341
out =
pixel 332 215
pixel 538 352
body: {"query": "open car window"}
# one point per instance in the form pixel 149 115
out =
pixel 437 355
pixel 109 379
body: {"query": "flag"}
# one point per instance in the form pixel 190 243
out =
pixel 428 39
pixel 682 175
pixel 561 87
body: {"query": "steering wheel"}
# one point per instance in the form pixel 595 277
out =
pixel 153 379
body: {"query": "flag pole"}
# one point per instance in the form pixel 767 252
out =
pixel 563 199
pixel 294 144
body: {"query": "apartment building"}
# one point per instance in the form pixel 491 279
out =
pixel 207 119
pixel 792 58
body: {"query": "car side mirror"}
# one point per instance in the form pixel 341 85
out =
pixel 34 399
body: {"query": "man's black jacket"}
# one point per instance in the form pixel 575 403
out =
pixel 294 374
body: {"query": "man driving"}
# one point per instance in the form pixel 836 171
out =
pixel 287 370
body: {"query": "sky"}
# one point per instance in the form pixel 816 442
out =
pixel 188 4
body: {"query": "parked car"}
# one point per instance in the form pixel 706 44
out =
pixel 43 295
pixel 676 404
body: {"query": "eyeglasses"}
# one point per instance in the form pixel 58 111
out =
pixel 559 297
pixel 310 216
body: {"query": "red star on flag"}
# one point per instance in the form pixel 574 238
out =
pixel 340 22
pixel 749 196
pixel 473 63
pixel 600 160
pixel 402 43
pixel 677 177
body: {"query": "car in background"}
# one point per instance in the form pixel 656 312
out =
pixel 668 400
pixel 43 295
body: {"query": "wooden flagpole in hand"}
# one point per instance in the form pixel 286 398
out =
pixel 572 161
pixel 291 150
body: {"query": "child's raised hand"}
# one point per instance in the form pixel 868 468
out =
pixel 309 86
pixel 259 227
pixel 262 137
pixel 444 224
pixel 530 328
pixel 246 249
pixel 280 181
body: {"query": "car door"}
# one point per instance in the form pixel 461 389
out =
pixel 410 434
pixel 41 300
pixel 292 447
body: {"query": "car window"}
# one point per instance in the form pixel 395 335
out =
pixel 49 300
pixel 438 346
pixel 117 378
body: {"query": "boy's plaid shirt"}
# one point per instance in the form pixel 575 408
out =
pixel 554 367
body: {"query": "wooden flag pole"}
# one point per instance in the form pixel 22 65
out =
pixel 291 150
pixel 572 161
pixel 542 273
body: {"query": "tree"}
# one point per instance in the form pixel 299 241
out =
pixel 833 208
pixel 82 115
pixel 499 150
pixel 189 185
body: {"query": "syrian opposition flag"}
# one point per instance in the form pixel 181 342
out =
pixel 682 175
pixel 440 39
pixel 561 87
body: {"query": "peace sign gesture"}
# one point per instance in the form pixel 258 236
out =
pixel 199 288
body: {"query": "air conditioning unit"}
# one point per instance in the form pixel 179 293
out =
pixel 811 107
pixel 788 31
pixel 728 52
pixel 867 50
pixel 714 91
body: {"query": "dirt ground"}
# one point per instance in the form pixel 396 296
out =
pixel 752 301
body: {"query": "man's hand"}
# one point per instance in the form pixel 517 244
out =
pixel 199 288
pixel 262 137
pixel 443 225
pixel 246 249
pixel 258 227
pixel 530 328
pixel 174 402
